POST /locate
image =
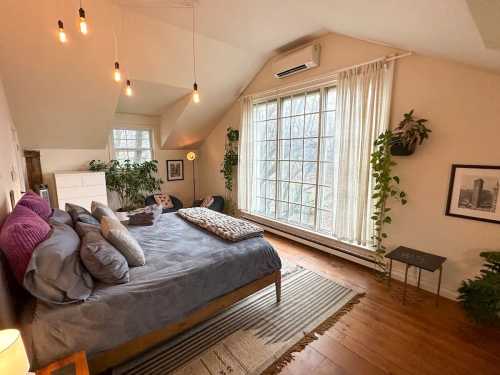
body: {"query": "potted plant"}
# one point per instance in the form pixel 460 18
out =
pixel 480 297
pixel 131 181
pixel 410 132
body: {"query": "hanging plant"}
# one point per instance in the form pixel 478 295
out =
pixel 386 187
pixel 230 157
pixel 409 133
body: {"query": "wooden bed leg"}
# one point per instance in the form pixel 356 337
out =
pixel 278 286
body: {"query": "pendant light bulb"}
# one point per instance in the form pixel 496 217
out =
pixel 117 75
pixel 83 21
pixel 62 34
pixel 128 89
pixel 196 94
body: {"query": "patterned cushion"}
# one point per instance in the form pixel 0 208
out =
pixel 163 200
pixel 207 202
pixel 120 237
pixel 36 204
pixel 103 260
pixel 21 232
pixel 99 210
pixel 79 213
pixel 84 228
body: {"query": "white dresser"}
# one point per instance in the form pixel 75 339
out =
pixel 80 187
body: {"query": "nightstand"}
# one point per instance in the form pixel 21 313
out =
pixel 75 364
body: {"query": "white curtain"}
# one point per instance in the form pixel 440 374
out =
pixel 246 155
pixel 363 109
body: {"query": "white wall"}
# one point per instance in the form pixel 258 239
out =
pixel 53 160
pixel 11 175
pixel 462 105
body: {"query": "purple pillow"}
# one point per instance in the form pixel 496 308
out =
pixel 36 204
pixel 21 232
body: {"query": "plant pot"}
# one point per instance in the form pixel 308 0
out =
pixel 399 149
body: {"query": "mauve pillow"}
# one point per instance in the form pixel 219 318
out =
pixel 36 204
pixel 104 262
pixel 55 272
pixel 21 232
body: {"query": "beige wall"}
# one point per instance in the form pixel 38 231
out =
pixel 462 105
pixel 54 160
pixel 11 177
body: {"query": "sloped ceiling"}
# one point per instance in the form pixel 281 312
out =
pixel 64 96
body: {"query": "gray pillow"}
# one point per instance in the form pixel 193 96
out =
pixel 120 237
pixel 55 272
pixel 60 216
pixel 79 213
pixel 100 210
pixel 103 260
pixel 83 228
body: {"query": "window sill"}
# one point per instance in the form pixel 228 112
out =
pixel 357 251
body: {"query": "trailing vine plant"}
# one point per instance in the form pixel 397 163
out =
pixel 228 164
pixel 386 187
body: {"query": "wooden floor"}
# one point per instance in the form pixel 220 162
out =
pixel 381 336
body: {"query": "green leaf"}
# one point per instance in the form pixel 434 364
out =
pixel 396 178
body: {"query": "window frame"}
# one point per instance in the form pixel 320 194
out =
pixel 322 112
pixel 114 149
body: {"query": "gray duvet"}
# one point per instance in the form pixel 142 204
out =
pixel 186 267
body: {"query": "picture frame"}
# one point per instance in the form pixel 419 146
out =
pixel 175 170
pixel 474 192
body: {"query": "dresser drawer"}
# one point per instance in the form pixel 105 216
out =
pixel 81 192
pixel 93 179
pixel 68 180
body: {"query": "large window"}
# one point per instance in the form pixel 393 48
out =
pixel 294 143
pixel 132 144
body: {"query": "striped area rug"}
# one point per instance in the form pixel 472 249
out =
pixel 254 336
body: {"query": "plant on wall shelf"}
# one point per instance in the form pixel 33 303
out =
pixel 228 164
pixel 386 186
pixel 131 181
pixel 409 133
pixel 481 296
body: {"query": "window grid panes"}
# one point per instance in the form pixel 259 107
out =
pixel 294 151
pixel 132 144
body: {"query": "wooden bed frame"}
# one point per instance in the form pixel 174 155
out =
pixel 127 351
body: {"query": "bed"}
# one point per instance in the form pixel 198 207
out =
pixel 189 276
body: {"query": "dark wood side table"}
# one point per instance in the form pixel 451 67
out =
pixel 75 364
pixel 419 259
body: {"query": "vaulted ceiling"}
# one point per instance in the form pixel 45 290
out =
pixel 63 96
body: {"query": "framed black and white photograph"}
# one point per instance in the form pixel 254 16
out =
pixel 175 170
pixel 473 192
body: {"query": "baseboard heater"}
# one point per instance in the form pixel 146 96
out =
pixel 357 258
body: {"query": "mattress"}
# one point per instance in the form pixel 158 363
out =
pixel 186 267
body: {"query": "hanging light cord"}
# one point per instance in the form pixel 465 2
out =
pixel 194 53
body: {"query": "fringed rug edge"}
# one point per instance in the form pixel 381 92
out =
pixel 311 336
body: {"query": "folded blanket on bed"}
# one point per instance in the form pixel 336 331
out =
pixel 224 226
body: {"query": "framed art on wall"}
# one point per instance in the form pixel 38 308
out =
pixel 175 170
pixel 473 192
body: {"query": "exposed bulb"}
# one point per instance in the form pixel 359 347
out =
pixel 83 22
pixel 128 89
pixel 118 75
pixel 196 95
pixel 62 34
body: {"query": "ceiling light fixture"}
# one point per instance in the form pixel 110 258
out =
pixel 117 75
pixel 62 34
pixel 83 20
pixel 196 94
pixel 128 89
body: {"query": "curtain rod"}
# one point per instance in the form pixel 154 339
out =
pixel 327 75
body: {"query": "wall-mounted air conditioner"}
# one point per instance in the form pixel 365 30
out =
pixel 296 61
